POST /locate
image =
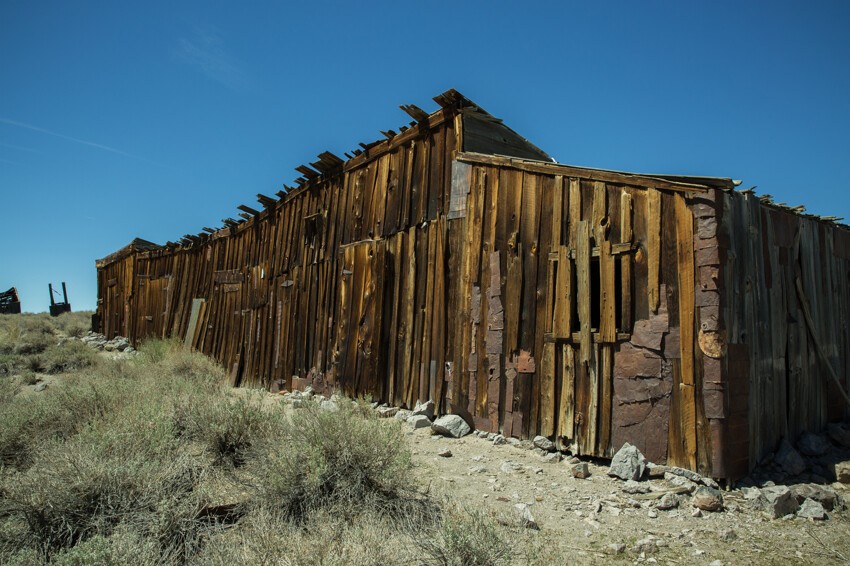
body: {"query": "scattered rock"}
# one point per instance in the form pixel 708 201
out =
pixel 552 457
pixel 839 434
pixel 812 444
pixel 811 509
pixel 693 476
pixel 680 481
pixel 40 386
pixel 633 487
pixel 543 443
pixel 444 453
pixel 655 471
pixel 514 442
pixel 727 535
pixel 652 514
pixel 645 545
pixel 418 421
pixel 696 513
pixel 716 563
pixel 526 518
pixel 615 548
pixel 580 470
pixel 842 472
pixel 403 414
pixel 667 501
pixel 451 425
pixel 328 405
pixel 708 499
pixel 511 467
pixel 789 459
pixel 822 495
pixel 498 440
pixel 383 412
pixel 628 463
pixel 491 436
pixel 426 408
pixel 777 501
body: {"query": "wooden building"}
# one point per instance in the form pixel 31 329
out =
pixel 454 261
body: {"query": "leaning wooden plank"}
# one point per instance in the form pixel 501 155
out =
pixel 685 247
pixel 547 391
pixel 575 212
pixel 653 246
pixel 583 288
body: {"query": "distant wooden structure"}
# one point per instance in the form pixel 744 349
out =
pixel 58 307
pixel 10 303
pixel 453 260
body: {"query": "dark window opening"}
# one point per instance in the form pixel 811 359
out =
pixel 595 293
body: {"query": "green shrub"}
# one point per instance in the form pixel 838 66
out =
pixel 329 540
pixel 468 538
pixel 135 476
pixel 74 324
pixel 343 460
pixel 68 355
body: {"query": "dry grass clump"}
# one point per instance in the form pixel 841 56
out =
pixel 342 460
pixel 133 461
pixel 37 343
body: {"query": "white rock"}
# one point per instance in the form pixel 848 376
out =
pixel 451 425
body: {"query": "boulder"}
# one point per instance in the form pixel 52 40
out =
pixel 822 495
pixel 552 457
pixel 580 470
pixel 451 425
pixel 838 434
pixel 842 471
pixel 680 481
pixel 526 518
pixel 708 499
pixel 543 443
pixel 789 459
pixel 811 509
pixel 426 408
pixel 633 487
pixel 418 421
pixel 777 501
pixel 668 501
pixel 628 463
pixel 403 415
pixel 812 444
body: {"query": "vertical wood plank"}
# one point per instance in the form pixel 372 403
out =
pixel 653 246
pixel 685 247
pixel 583 289
pixel 607 296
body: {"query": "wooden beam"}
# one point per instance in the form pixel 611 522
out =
pixel 581 172
pixel 248 209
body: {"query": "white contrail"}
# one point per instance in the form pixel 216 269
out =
pixel 73 139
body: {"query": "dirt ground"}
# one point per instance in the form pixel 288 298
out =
pixel 585 516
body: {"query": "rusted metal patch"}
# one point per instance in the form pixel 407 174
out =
pixel 712 343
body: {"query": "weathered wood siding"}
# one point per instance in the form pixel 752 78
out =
pixel 773 381
pixel 591 307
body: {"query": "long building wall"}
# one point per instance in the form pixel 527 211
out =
pixel 591 307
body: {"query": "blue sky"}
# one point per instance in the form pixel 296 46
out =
pixel 154 119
